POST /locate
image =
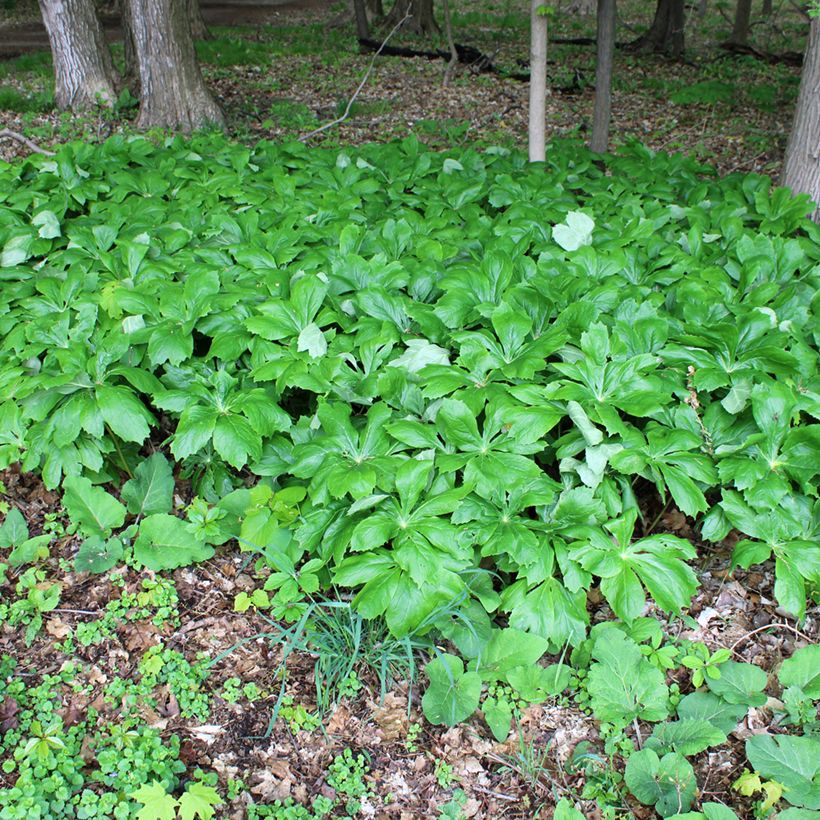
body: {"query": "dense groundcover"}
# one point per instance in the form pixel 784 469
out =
pixel 451 384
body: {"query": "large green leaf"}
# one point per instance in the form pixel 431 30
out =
pixel 452 694
pixel 151 490
pixel 91 508
pixel 792 761
pixel 166 542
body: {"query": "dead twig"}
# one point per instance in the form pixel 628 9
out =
pixel 8 134
pixel 361 85
pixel 775 625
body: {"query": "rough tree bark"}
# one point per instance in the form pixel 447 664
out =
pixel 132 72
pixel 83 70
pixel 199 31
pixel 603 76
pixel 172 91
pixel 740 30
pixel 666 34
pixel 422 20
pixel 538 84
pixel 801 171
pixel 362 25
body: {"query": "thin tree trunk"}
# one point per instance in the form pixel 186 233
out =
pixel 581 7
pixel 766 11
pixel 376 8
pixel 652 39
pixel 362 26
pixel 538 83
pixel 84 73
pixel 422 20
pixel 703 6
pixel 448 28
pixel 172 92
pixel 603 76
pixel 199 31
pixel 801 171
pixel 740 30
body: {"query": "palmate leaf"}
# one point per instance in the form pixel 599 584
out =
pixel 656 562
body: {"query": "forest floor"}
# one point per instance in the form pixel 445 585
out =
pixel 412 769
pixel 281 71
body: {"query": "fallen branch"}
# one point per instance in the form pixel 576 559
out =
pixel 356 93
pixel 5 133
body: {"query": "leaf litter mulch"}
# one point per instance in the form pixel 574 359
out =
pixel 415 769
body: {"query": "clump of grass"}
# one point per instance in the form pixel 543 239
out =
pixel 38 63
pixel 11 99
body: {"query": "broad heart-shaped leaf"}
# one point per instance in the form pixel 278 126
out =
pixel 13 530
pixel 689 737
pixel 30 551
pixel 166 542
pixel 712 709
pixel 151 490
pixel 802 669
pixel 453 694
pixel 741 683
pixel 668 783
pixel 198 800
pixel 498 713
pixel 92 509
pixel 98 555
pixel 623 684
pixel 506 650
pixel 575 233
pixel 157 803
pixel 792 761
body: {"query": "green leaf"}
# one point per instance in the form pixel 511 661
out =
pixel 623 684
pixel 704 706
pixel 236 441
pixel 198 800
pixel 152 488
pixel 14 530
pixel 741 683
pixel 92 509
pixel 668 783
pixel 792 761
pixel 166 542
pixel 453 694
pixel 312 340
pixel 498 714
pixel 30 551
pixel 47 224
pixel 564 810
pixel 124 414
pixel 506 650
pixel 687 736
pixel 194 431
pixel 157 803
pixel 98 555
pixel 803 669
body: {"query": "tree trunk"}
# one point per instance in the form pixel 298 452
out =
pixel 362 26
pixel 199 31
pixel 766 11
pixel 666 34
pixel 376 8
pixel 132 72
pixel 448 29
pixel 422 20
pixel 801 171
pixel 603 76
pixel 172 92
pixel 740 30
pixel 538 83
pixel 83 70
